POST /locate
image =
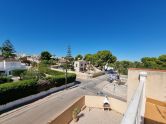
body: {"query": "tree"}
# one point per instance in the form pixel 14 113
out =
pixel 79 57
pixel 103 57
pixel 162 58
pixel 24 60
pixel 162 61
pixel 68 55
pixel 138 64
pixel 69 59
pixel 7 49
pixel 88 57
pixel 45 55
pixel 150 62
pixel 122 66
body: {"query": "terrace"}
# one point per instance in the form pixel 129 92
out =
pixel 92 111
pixel 98 116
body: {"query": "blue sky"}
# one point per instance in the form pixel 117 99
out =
pixel 131 29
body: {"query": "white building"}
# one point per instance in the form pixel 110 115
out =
pixel 34 58
pixel 7 66
pixel 80 65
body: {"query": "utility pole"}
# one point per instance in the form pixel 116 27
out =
pixel 66 74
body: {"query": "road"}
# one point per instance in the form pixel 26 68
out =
pixel 41 111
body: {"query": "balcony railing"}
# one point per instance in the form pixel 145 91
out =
pixel 136 107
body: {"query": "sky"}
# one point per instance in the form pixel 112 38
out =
pixel 130 29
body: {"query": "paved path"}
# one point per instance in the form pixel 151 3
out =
pixel 41 111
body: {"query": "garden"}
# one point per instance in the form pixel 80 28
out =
pixel 30 82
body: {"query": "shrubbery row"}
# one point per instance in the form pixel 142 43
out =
pixel 5 79
pixel 44 69
pixel 53 72
pixel 13 91
pixel 18 72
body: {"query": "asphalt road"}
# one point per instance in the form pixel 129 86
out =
pixel 41 111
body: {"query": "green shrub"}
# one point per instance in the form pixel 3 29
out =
pixel 18 72
pixel 45 69
pixel 13 91
pixel 32 74
pixel 5 79
pixel 16 90
pixel 59 80
pixel 53 72
pixel 43 85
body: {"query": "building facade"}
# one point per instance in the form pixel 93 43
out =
pixel 80 66
pixel 7 66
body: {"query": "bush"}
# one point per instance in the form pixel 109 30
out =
pixel 32 74
pixel 5 79
pixel 59 80
pixel 13 91
pixel 43 68
pixel 43 85
pixel 16 90
pixel 53 72
pixel 18 72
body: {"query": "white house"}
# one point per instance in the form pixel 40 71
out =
pixel 80 65
pixel 7 66
pixel 34 58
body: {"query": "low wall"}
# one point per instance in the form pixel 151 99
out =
pixel 66 116
pixel 97 102
pixel 155 85
pixel 82 75
pixel 86 75
pixel 96 74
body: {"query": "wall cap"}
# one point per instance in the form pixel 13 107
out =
pixel 147 69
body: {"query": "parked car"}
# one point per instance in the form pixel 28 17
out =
pixel 112 75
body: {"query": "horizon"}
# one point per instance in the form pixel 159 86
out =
pixel 131 30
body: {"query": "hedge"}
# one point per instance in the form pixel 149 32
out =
pixel 18 72
pixel 16 90
pixel 53 72
pixel 46 70
pixel 5 79
pixel 13 91
pixel 60 79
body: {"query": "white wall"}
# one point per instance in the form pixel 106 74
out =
pixel 79 64
pixel 155 86
pixel 11 65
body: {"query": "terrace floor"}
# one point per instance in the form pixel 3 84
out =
pixel 155 112
pixel 99 116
